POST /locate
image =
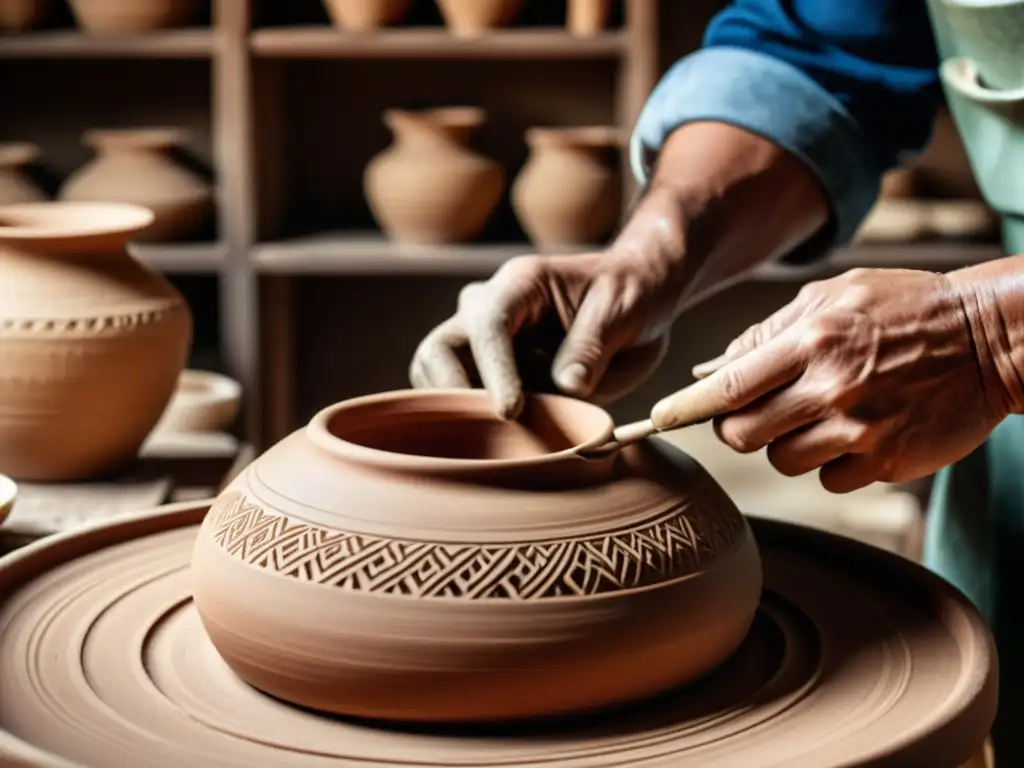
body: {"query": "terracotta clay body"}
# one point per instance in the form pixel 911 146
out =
pixel 120 17
pixel 366 15
pixel 428 187
pixel 91 341
pixel 587 18
pixel 855 658
pixel 455 567
pixel 23 15
pixel 569 192
pixel 472 18
pixel 15 184
pixel 202 402
pixel 135 166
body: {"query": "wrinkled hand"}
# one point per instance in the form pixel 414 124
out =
pixel 592 326
pixel 871 376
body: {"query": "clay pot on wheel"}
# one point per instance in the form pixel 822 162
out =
pixel 23 15
pixel 91 341
pixel 15 184
pixel 136 166
pixel 429 187
pixel 419 559
pixel 365 15
pixel 570 190
pixel 123 17
pixel 472 18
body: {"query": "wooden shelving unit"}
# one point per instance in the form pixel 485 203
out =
pixel 286 111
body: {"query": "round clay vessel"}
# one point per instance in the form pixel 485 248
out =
pixel 120 17
pixel 136 166
pixel 8 495
pixel 202 402
pixel 472 18
pixel 23 15
pixel 587 18
pixel 15 184
pixel 419 559
pixel 91 340
pixel 569 192
pixel 366 15
pixel 429 187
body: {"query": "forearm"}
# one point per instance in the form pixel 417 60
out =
pixel 992 295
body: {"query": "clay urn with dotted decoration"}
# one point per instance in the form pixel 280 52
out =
pixel 429 187
pixel 416 558
pixel 91 340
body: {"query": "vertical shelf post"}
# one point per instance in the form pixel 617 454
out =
pixel 638 73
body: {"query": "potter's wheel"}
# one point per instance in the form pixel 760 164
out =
pixel 864 659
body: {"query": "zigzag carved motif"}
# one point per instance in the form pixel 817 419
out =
pixel 613 562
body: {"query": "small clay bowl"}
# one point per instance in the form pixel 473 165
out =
pixel 202 402
pixel 8 494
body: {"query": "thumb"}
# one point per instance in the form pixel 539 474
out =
pixel 588 348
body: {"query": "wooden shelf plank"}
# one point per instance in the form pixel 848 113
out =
pixel 189 258
pixel 191 43
pixel 353 254
pixel 433 43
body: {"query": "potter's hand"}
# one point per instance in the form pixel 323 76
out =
pixel 596 325
pixel 876 375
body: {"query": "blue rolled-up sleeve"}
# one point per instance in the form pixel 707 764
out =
pixel 850 88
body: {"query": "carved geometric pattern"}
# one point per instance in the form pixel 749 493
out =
pixel 611 562
pixel 87 325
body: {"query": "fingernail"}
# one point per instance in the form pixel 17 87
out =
pixel 572 378
pixel 705 369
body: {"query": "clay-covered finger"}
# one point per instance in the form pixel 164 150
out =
pixel 584 355
pixel 437 364
pixel 818 444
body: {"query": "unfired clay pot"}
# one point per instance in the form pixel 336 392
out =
pixel 91 341
pixel 135 166
pixel 429 187
pixel 570 190
pixel 587 18
pixel 472 18
pixel 366 15
pixel 419 559
pixel 127 16
pixel 15 184
pixel 23 15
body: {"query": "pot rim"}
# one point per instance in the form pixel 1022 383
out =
pixel 64 219
pixel 157 137
pixel 319 432
pixel 585 136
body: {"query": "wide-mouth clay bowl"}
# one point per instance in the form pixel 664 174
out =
pixel 409 556
pixel 8 495
pixel 203 401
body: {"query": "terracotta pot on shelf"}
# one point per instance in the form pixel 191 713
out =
pixel 587 18
pixel 15 185
pixel 203 402
pixel 569 192
pixel 472 18
pixel 136 166
pixel 429 187
pixel 366 15
pixel 91 341
pixel 420 559
pixel 128 16
pixel 23 15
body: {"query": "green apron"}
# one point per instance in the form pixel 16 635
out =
pixel 975 536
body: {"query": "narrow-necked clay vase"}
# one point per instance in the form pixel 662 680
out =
pixel 410 556
pixel 136 166
pixel 123 17
pixel 586 18
pixel 23 15
pixel 570 191
pixel 15 185
pixel 366 15
pixel 91 341
pixel 429 187
pixel 472 18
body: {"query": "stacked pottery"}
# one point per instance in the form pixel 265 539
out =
pixel 15 184
pixel 136 166
pixel 91 341
pixel 365 15
pixel 473 18
pixel 569 192
pixel 23 15
pixel 126 17
pixel 429 187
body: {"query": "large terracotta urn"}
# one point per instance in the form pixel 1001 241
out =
pixel 137 166
pixel 569 192
pixel 126 17
pixel 410 556
pixel 23 15
pixel 429 187
pixel 15 184
pixel 91 341
pixel 365 15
